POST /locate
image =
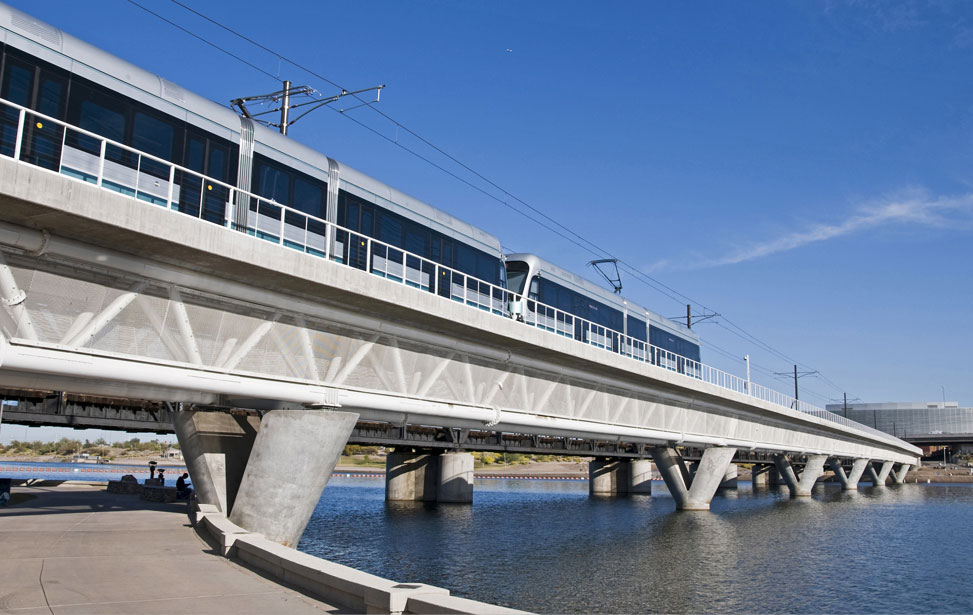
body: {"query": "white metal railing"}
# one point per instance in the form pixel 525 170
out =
pixel 47 142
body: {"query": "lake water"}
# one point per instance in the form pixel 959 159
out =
pixel 548 547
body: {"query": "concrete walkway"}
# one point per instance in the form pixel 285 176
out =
pixel 78 549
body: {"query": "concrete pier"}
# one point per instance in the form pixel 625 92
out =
pixel 898 477
pixel 640 477
pixel 455 478
pixel 730 477
pixel 800 487
pixel 291 462
pixel 878 477
pixel 411 476
pixel 698 492
pixel 608 477
pixel 760 476
pixel 849 482
pixel 216 447
pixel 619 477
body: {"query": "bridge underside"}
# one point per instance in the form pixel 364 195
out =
pixel 99 331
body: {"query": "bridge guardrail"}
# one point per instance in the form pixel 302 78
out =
pixel 83 155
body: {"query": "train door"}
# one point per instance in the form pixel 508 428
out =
pixel 210 159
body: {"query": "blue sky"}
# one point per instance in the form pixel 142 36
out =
pixel 803 168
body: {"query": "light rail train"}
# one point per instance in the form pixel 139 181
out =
pixel 567 304
pixel 205 160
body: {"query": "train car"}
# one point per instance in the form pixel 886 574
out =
pixel 231 171
pixel 557 300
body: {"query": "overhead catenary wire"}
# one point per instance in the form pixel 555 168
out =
pixel 539 218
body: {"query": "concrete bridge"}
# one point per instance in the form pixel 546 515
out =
pixel 107 295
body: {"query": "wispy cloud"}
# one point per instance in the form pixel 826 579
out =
pixel 915 208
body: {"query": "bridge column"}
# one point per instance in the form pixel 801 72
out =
pixel 849 482
pixel 879 477
pixel 640 477
pixel 812 470
pixel 292 459
pixel 730 477
pixel 411 476
pixel 899 475
pixel 703 484
pixel 455 478
pixel 760 476
pixel 216 446
pixel 609 477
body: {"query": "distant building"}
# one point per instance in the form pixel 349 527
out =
pixel 919 422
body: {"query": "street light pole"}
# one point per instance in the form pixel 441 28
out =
pixel 747 359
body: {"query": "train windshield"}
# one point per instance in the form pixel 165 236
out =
pixel 516 276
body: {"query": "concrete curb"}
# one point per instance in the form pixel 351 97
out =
pixel 334 583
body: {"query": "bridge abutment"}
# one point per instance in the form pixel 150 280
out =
pixel 693 491
pixel 292 460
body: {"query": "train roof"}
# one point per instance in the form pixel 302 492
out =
pixel 61 49
pixel 591 289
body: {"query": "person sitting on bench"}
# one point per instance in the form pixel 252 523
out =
pixel 183 490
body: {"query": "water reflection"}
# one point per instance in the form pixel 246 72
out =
pixel 548 547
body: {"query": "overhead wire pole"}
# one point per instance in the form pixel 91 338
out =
pixel 796 376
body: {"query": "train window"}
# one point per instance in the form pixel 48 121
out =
pixel 272 183
pixel 309 197
pixel 417 239
pixel 367 221
pixel 17 83
pixel 465 259
pixel 152 135
pixel 50 97
pixel 196 154
pixel 516 275
pixel 102 120
pixel 390 228
pixel 219 167
pixel 486 268
pixel 636 328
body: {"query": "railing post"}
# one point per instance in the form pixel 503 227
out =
pixel 202 196
pixel 368 255
pixel 138 175
pixel 229 212
pixel 19 143
pixel 172 186
pixel 283 216
pixel 327 241
pixel 64 138
pixel 101 162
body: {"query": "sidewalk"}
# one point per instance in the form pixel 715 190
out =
pixel 78 549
